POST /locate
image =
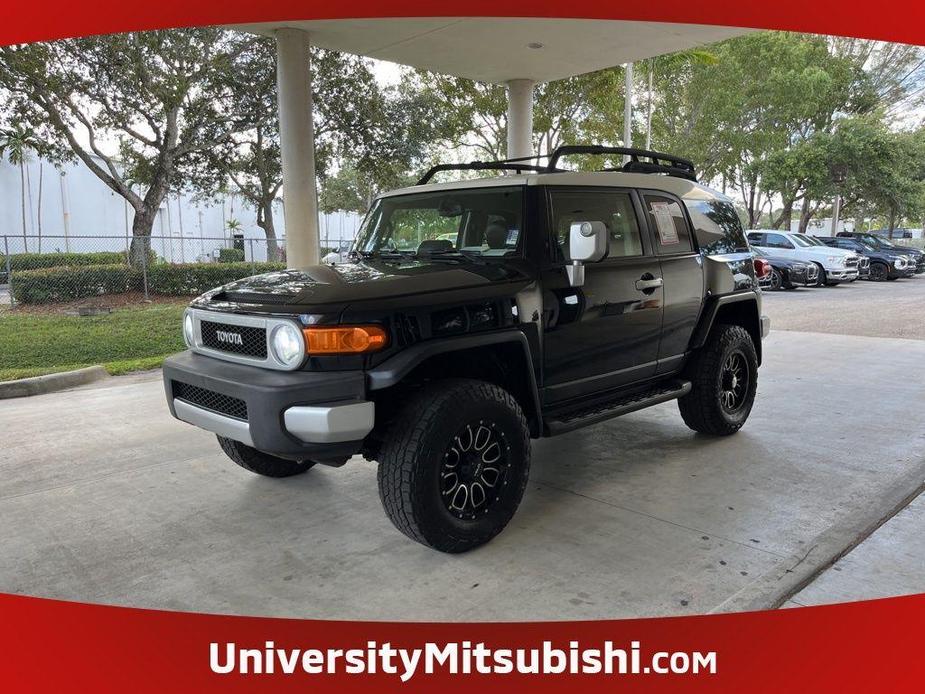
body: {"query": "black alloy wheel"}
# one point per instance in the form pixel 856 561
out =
pixel 474 470
pixel 734 382
pixel 878 272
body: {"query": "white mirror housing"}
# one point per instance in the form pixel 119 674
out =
pixel 587 244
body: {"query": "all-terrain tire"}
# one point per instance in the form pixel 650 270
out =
pixel 703 409
pixel 262 463
pixel 418 445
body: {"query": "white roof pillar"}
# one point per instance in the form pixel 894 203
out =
pixel 297 144
pixel 519 119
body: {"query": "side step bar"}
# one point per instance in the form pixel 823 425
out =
pixel 561 423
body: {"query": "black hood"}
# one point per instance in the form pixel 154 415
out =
pixel 786 263
pixel 341 285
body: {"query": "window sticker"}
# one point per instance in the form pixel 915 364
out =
pixel 512 236
pixel 667 234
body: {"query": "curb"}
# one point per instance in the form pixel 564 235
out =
pixel 50 383
pixel 778 585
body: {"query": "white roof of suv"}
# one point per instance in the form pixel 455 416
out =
pixel 680 187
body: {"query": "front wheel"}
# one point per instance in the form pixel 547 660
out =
pixel 878 272
pixel 261 463
pixel 724 380
pixel 776 280
pixel 454 465
pixel 821 282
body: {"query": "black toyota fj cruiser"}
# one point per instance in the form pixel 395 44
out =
pixel 474 316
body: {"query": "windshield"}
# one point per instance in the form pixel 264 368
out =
pixel 809 240
pixel 484 222
pixel 801 241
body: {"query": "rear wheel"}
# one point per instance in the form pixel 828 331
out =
pixel 454 465
pixel 724 380
pixel 262 463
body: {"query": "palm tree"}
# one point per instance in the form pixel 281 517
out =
pixel 15 143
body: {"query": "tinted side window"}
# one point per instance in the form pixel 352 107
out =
pixel 757 239
pixel 669 227
pixel 778 241
pixel 717 226
pixel 613 208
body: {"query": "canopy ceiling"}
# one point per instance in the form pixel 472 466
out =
pixel 501 49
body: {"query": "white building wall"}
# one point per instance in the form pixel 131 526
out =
pixel 77 208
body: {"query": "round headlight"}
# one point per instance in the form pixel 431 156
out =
pixel 287 344
pixel 188 329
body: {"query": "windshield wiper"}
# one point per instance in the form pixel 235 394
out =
pixel 453 256
pixel 386 255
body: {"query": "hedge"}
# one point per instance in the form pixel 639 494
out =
pixel 59 284
pixel 36 261
pixel 231 255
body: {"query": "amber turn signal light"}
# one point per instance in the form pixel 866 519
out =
pixel 353 339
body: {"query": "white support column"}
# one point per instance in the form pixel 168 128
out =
pixel 297 144
pixel 519 119
pixel 628 109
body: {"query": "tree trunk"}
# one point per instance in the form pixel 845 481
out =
pixel 785 215
pixel 142 224
pixel 892 222
pixel 39 209
pixel 265 222
pixel 22 204
pixel 806 214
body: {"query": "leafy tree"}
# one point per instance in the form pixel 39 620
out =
pixel 131 107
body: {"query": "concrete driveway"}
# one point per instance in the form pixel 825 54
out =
pixel 105 498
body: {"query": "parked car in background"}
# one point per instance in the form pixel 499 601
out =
pixel 786 273
pixel 879 242
pixel 835 265
pixel 885 263
pixel 895 234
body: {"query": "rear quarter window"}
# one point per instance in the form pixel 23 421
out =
pixel 717 226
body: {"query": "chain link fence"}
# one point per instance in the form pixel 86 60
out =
pixel 62 270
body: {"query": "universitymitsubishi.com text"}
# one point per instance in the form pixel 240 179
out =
pixel 458 658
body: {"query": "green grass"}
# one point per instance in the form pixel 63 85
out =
pixel 129 339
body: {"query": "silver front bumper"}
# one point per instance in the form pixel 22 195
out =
pixel 308 423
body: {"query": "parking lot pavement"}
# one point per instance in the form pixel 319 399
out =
pixel 890 562
pixel 874 309
pixel 105 498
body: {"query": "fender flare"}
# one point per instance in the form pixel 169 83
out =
pixel 393 370
pixel 708 317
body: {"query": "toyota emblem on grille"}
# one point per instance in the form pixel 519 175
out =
pixel 230 338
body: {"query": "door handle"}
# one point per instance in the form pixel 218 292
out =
pixel 648 283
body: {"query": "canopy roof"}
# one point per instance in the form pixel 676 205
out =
pixel 501 49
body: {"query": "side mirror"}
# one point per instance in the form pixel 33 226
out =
pixel 587 244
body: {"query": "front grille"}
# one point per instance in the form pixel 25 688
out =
pixel 864 263
pixel 851 262
pixel 210 400
pixel 237 339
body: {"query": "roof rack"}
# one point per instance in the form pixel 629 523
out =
pixel 672 166
pixel 503 165
pixel 640 161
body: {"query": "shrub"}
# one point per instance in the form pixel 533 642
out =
pixel 58 284
pixel 61 284
pixel 196 278
pixel 231 255
pixel 36 261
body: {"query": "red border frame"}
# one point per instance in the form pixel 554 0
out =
pixel 900 20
